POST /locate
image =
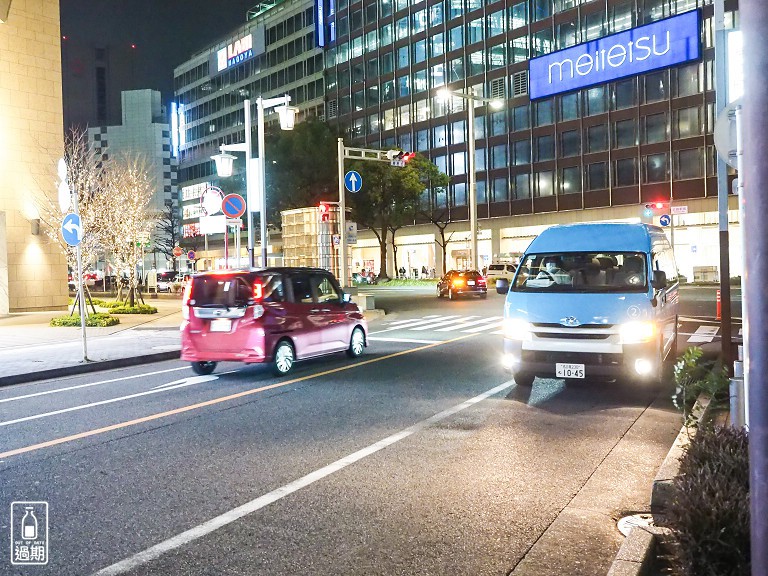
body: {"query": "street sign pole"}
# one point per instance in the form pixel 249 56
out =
pixel 80 295
pixel 343 270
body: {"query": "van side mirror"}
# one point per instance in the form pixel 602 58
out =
pixel 659 279
pixel 346 298
pixel 502 285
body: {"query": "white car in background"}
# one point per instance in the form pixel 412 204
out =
pixel 501 270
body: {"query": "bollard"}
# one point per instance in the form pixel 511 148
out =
pixel 718 313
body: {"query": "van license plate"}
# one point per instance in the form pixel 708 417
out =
pixel 221 325
pixel 569 370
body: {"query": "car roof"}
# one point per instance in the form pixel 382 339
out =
pixel 590 237
pixel 278 269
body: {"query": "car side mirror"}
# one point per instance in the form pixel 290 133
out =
pixel 659 281
pixel 346 298
pixel 502 285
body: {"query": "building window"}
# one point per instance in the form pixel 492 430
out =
pixel 545 148
pixel 455 8
pixel 570 180
pixel 542 42
pixel 457 132
pixel 625 172
pixel 522 186
pixel 689 163
pixel 420 51
pixel 541 9
pixel 544 114
pixel 518 15
pixel 594 100
pixel 545 183
pixel 625 133
pixel 498 123
pixel 436 13
pixel 460 194
pixel 499 156
pixel 688 80
pixel 496 23
pixel 457 69
pixel 687 122
pixel 419 21
pixel 656 168
pixel 521 152
pixel 625 94
pixel 475 30
pixel 437 45
pixel 569 106
pixel 422 140
pixel 593 25
pixel 480 192
pixel 656 86
pixel 597 176
pixel 455 38
pixel 518 49
pixel 401 28
pixel 403 57
pixel 655 128
pixel 480 165
pixel 520 117
pixel 500 190
pixel 438 136
pixel 459 164
pixel 597 138
pixel 570 143
pixel 566 34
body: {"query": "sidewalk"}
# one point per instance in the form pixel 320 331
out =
pixel 31 349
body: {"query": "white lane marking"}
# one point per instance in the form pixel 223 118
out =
pixel 183 383
pixel 486 327
pixel 396 322
pixel 406 340
pixel 188 381
pixel 413 323
pixel 467 324
pixel 704 334
pixel 111 380
pixel 438 324
pixel 214 524
pixel 710 319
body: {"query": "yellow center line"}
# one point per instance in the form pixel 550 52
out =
pixel 126 424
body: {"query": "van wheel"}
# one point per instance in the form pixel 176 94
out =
pixel 356 343
pixel 524 379
pixel 284 358
pixel 203 368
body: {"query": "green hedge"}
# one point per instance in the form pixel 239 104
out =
pixel 123 308
pixel 98 320
pixel 709 515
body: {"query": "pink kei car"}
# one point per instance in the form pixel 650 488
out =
pixel 274 315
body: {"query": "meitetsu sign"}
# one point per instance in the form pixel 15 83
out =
pixel 657 45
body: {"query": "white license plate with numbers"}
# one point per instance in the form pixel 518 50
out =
pixel 569 370
pixel 470 282
pixel 221 325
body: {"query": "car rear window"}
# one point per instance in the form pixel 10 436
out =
pixel 234 290
pixel 496 267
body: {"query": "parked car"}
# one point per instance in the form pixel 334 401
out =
pixel 270 315
pixel 592 300
pixel 462 283
pixel 165 281
pixel 501 270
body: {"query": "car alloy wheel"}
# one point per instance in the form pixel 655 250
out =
pixel 284 358
pixel 356 343
pixel 203 368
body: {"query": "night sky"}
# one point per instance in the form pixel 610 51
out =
pixel 165 32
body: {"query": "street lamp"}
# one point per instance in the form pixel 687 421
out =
pixel 225 161
pixel 447 94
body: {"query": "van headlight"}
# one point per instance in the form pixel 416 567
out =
pixel 517 329
pixel 637 332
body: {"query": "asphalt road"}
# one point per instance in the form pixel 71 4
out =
pixel 421 457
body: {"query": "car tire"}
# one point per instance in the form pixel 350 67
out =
pixel 439 292
pixel 356 343
pixel 484 295
pixel 284 358
pixel 451 295
pixel 524 379
pixel 203 368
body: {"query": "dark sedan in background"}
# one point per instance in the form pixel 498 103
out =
pixel 462 283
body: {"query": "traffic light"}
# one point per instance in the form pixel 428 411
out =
pixel 652 208
pixel 399 157
pixel 325 212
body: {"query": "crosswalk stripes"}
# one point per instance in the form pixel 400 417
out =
pixel 467 324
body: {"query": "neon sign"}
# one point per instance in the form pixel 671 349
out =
pixel 657 45
pixel 237 52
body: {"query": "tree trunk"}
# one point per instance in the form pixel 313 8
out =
pixel 383 247
pixel 394 255
pixel 444 246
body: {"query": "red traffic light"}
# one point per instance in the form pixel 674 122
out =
pixel 399 158
pixel 655 206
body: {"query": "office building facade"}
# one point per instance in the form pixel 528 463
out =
pixel 599 150
pixel 275 52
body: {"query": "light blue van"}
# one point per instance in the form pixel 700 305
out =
pixel 592 300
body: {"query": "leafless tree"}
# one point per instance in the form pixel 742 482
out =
pixel 167 234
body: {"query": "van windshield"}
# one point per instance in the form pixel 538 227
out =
pixel 582 272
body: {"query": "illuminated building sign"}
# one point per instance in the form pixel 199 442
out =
pixel 320 22
pixel 657 45
pixel 235 53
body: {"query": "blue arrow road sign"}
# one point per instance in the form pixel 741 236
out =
pixel 353 181
pixel 71 229
pixel 665 219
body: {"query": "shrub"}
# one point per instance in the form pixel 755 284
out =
pixel 709 514
pixel 99 320
pixel 694 376
pixel 124 308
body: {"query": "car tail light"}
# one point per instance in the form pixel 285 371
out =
pixel 480 280
pixel 458 282
pixel 186 300
pixel 258 291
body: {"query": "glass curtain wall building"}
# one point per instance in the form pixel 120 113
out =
pixel 274 53
pixel 596 153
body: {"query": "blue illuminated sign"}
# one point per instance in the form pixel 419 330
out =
pixel 320 22
pixel 657 45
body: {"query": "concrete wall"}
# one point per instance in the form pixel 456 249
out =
pixel 31 140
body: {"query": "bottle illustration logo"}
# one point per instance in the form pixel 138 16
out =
pixel 29 533
pixel 29 524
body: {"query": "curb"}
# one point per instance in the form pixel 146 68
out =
pixel 637 554
pixel 85 368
